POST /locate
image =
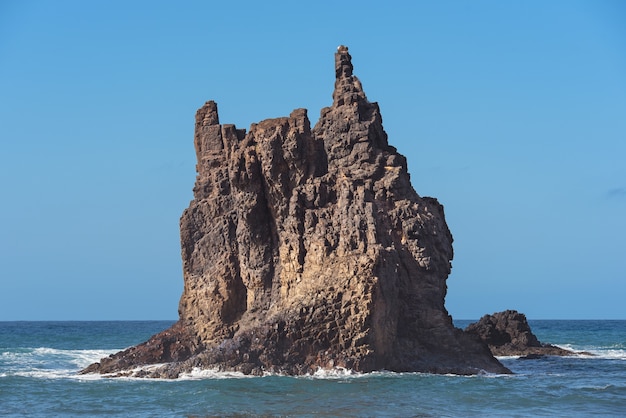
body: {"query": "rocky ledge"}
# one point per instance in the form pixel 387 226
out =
pixel 508 334
pixel 309 249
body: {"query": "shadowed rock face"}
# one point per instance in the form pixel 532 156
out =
pixel 308 248
pixel 508 334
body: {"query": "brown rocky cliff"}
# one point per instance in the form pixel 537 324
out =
pixel 308 248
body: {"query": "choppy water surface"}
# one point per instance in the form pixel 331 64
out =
pixel 39 360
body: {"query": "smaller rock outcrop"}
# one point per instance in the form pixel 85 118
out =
pixel 508 334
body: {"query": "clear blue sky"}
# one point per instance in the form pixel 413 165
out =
pixel 511 113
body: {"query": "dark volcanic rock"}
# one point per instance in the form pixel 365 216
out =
pixel 308 248
pixel 508 334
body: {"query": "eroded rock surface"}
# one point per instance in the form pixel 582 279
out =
pixel 508 334
pixel 308 248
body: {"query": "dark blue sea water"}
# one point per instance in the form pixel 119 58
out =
pixel 39 361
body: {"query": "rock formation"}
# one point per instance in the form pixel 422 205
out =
pixel 308 248
pixel 508 334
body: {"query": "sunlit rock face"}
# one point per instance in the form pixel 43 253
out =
pixel 309 249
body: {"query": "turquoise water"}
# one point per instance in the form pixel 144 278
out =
pixel 39 360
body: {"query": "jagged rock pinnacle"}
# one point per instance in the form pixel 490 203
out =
pixel 343 62
pixel 348 88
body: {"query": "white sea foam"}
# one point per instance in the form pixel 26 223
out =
pixel 79 358
pixel 615 352
pixel 198 374
pixel 608 354
pixel 46 373
pixel 195 374
pixel 335 373
pixel 330 374
pixel 583 352
pixel 341 373
pixel 48 363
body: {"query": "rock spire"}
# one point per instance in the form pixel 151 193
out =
pixel 309 248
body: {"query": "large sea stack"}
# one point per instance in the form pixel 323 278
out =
pixel 308 249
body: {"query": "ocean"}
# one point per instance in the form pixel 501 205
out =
pixel 39 363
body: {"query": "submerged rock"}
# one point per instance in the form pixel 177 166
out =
pixel 508 334
pixel 309 249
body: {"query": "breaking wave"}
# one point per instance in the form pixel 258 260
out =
pixel 199 374
pixel 612 352
pixel 48 363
